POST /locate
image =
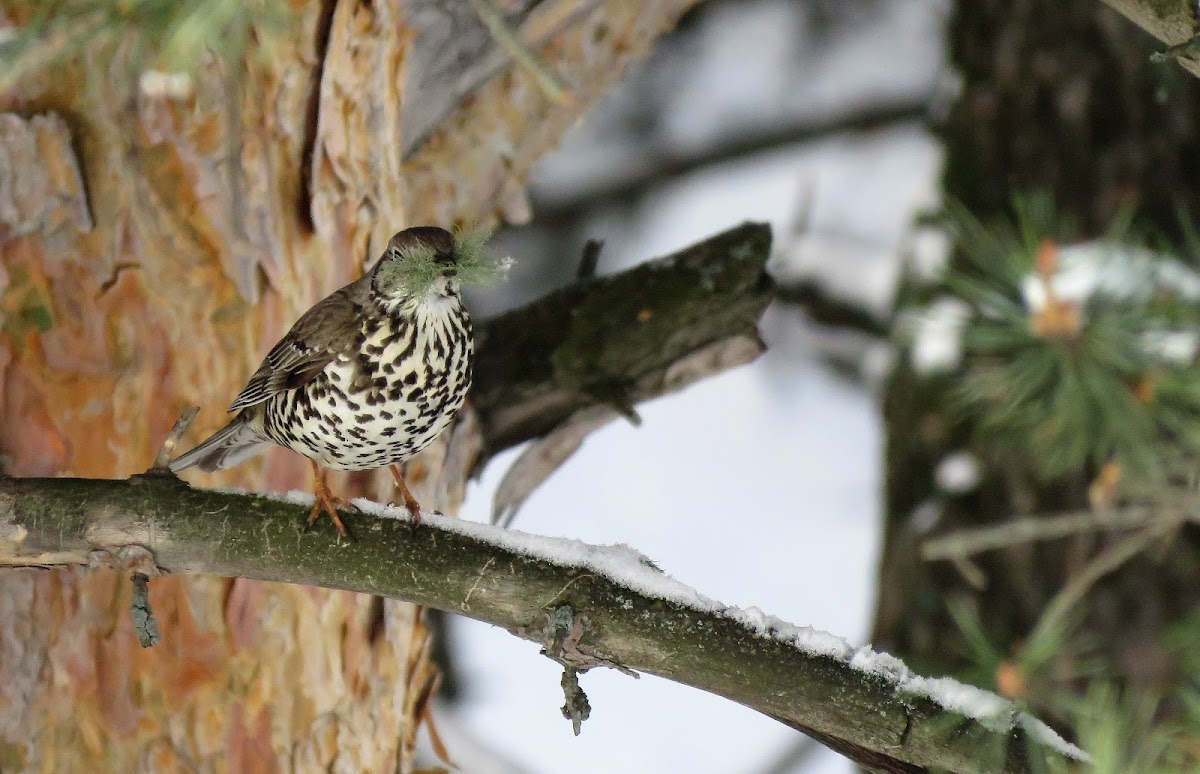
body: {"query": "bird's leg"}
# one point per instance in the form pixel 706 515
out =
pixel 326 501
pixel 410 502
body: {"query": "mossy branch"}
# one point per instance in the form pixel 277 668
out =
pixel 615 339
pixel 865 706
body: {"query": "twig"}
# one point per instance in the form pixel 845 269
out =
pixel 554 89
pixel 1107 561
pixel 564 630
pixel 1037 528
pixel 562 634
pixel 589 260
pixel 144 625
pixel 669 161
pixel 970 571
pixel 1188 48
pixel 172 440
pixel 576 708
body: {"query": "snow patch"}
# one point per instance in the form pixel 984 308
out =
pixel 619 562
pixel 805 638
pixel 937 345
pixel 928 253
pixel 1122 273
pixel 1046 735
pixel 888 667
pixel 298 497
pixel 958 473
pixel 989 709
pixel 1175 347
pixel 1116 271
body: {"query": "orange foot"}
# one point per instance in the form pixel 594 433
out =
pixel 410 502
pixel 326 501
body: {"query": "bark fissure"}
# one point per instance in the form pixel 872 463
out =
pixel 312 113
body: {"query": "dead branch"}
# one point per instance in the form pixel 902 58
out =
pixel 619 340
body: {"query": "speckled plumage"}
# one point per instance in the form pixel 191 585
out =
pixel 368 377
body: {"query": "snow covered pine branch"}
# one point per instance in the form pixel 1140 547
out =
pixel 619 609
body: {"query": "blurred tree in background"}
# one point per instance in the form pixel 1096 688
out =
pixel 1063 415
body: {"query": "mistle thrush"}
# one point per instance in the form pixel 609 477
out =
pixel 367 377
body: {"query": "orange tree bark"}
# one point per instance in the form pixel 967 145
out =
pixel 151 250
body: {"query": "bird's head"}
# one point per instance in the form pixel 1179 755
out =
pixel 428 260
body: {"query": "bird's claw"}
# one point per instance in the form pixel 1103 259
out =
pixel 410 502
pixel 327 502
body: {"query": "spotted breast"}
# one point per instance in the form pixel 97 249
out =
pixel 367 377
pixel 389 396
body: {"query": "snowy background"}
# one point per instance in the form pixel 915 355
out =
pixel 760 487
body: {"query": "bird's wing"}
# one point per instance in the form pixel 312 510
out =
pixel 321 335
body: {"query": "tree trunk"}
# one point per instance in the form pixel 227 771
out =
pixel 153 247
pixel 1058 97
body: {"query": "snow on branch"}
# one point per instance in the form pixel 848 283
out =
pixel 619 609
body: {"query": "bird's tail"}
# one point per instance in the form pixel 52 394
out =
pixel 233 444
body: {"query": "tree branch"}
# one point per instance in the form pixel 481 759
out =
pixel 664 163
pixel 1172 23
pixel 968 542
pixel 615 340
pixel 867 705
